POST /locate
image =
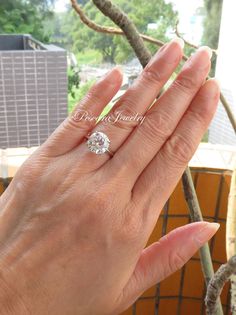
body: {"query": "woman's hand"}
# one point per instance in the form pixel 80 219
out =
pixel 73 224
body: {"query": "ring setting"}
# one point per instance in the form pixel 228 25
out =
pixel 98 143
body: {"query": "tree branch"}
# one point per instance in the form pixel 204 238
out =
pixel 117 31
pixel 217 283
pixel 131 33
pixel 196 216
pixel 108 30
pixel 228 111
pixel 187 42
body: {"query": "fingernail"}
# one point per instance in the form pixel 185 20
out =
pixel 170 52
pixel 206 232
pixel 179 41
pixel 206 49
pixel 199 60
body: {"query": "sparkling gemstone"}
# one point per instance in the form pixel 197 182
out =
pixel 98 142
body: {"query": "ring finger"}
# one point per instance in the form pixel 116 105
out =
pixel 136 101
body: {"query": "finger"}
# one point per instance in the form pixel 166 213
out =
pixel 163 117
pixel 83 118
pixel 137 99
pixel 163 258
pixel 170 162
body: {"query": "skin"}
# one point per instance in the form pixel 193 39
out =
pixel 74 225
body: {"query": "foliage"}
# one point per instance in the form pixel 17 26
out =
pixel 115 48
pixel 90 57
pixel 212 16
pixel 79 94
pixel 25 17
pixel 73 81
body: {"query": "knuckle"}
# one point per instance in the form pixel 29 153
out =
pixel 124 115
pixel 79 119
pixel 157 124
pixel 179 150
pixel 196 116
pixel 151 76
pixel 175 261
pixel 131 226
pixel 186 83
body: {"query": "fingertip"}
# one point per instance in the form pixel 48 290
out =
pixel 206 232
pixel 116 75
pixel 119 70
pixel 215 83
pixel 207 50
pixel 211 89
pixel 178 41
pixel 113 77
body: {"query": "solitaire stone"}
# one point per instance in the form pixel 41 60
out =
pixel 98 142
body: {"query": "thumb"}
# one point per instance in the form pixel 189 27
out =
pixel 166 256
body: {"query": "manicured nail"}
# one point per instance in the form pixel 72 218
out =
pixel 206 233
pixel 170 52
pixel 198 60
pixel 179 41
pixel 206 49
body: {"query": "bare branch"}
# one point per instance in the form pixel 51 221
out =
pixel 177 32
pixel 217 283
pixel 180 36
pixel 117 31
pixel 108 30
pixel 121 19
pixel 228 111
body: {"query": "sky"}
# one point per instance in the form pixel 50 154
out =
pixel 189 26
pixel 60 5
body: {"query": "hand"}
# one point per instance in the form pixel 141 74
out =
pixel 74 225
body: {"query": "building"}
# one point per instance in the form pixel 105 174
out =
pixel 33 90
pixel 221 131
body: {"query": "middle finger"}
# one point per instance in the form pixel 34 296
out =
pixel 162 119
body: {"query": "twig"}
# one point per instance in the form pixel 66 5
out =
pixel 119 18
pixel 228 111
pixel 217 283
pixel 117 31
pixel 196 215
pixel 231 235
pixel 108 30
pixel 180 36
pixel 177 32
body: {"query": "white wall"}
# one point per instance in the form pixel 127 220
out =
pixel 220 130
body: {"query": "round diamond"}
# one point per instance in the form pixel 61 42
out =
pixel 98 142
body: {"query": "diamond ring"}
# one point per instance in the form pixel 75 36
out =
pixel 98 143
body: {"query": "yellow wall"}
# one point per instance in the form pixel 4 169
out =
pixel 212 188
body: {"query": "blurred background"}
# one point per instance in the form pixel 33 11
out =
pixel 91 54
